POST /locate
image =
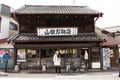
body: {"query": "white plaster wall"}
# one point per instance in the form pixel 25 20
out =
pixel 4 27
pixel 5 23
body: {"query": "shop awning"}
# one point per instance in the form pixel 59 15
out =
pixel 57 45
pixel 32 37
pixel 5 45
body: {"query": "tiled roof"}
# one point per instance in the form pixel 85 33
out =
pixel 109 40
pixel 113 29
pixel 38 9
pixel 32 37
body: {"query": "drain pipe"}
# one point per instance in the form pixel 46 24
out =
pixel 99 15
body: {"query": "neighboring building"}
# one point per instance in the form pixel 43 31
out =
pixel 112 43
pixel 115 30
pixel 44 29
pixel 8 26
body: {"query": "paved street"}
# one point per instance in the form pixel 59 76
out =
pixel 112 75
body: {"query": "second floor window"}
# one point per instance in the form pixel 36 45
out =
pixel 13 26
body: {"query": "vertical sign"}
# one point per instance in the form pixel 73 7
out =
pixel 106 58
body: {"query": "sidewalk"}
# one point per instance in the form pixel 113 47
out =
pixel 112 75
pixel 91 76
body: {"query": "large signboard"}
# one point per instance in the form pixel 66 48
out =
pixel 57 31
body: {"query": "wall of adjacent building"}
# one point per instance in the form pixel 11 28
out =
pixel 5 31
pixel 4 27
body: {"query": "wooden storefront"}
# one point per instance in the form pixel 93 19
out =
pixel 39 50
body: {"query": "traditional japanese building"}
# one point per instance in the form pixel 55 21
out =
pixel 44 29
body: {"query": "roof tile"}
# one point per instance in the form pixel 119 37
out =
pixel 32 37
pixel 38 9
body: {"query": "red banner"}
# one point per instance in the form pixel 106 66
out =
pixel 1 52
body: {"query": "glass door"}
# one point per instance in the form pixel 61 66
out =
pixel 73 59
pixel 33 59
pixel 46 59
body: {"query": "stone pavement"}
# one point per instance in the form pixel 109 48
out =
pixel 111 75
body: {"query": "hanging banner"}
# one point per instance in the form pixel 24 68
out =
pixel 57 31
pixel 106 58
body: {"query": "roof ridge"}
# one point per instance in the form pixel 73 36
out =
pixel 54 5
pixel 112 27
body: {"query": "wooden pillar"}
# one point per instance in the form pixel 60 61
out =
pixel 40 59
pixel 15 55
pixel 101 57
pixel 90 58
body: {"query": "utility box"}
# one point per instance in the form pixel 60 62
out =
pixel 16 68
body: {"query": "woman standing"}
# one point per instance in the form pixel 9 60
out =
pixel 86 59
pixel 57 62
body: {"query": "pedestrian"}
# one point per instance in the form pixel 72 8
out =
pixel 5 59
pixel 57 62
pixel 119 65
pixel 86 59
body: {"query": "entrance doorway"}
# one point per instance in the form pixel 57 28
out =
pixel 33 59
pixel 46 60
pixel 67 56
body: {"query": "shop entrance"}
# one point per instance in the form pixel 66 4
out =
pixel 41 60
pixel 67 56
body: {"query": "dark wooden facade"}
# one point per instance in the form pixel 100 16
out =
pixel 29 23
pixel 86 38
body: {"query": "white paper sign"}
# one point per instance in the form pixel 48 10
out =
pixel 57 31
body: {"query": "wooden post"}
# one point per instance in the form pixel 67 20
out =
pixel 15 56
pixel 119 62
